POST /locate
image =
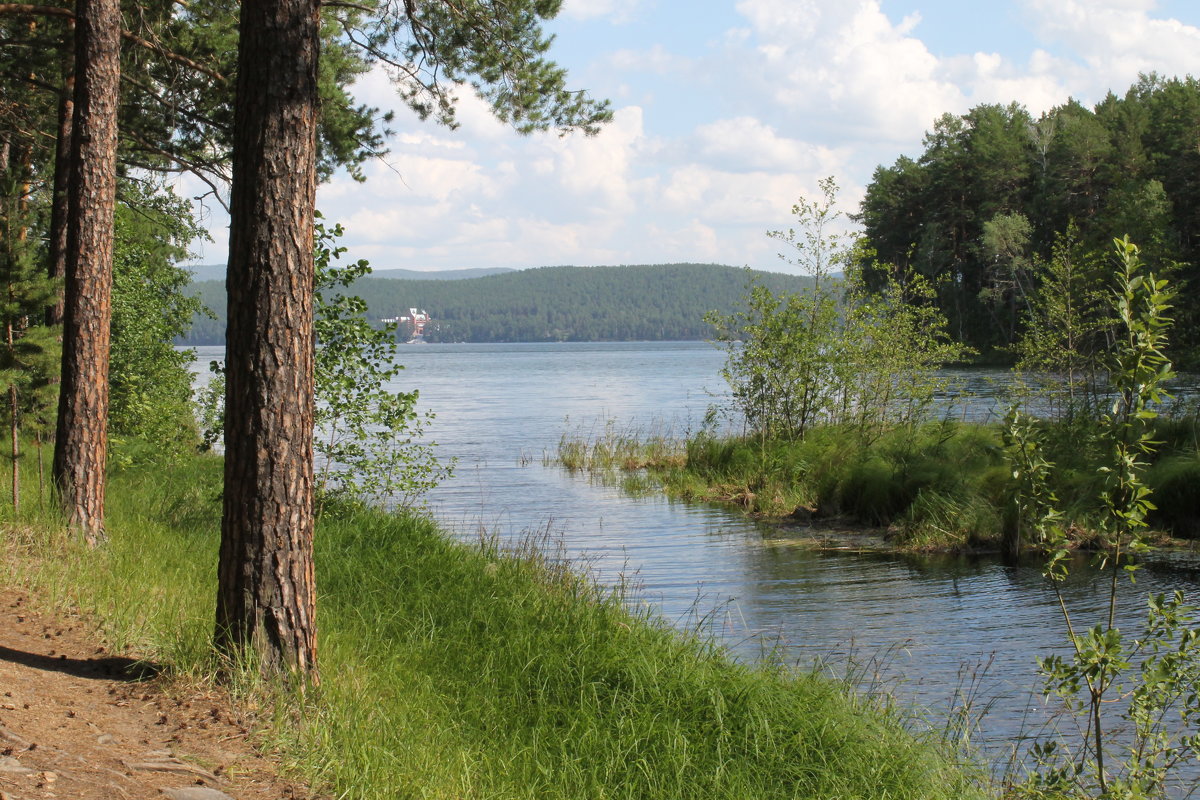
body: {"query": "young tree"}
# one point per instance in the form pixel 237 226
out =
pixel 365 433
pixel 785 350
pixel 28 352
pixel 1067 336
pixel 844 352
pixel 265 595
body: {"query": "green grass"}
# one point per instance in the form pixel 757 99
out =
pixel 457 671
pixel 617 449
pixel 942 486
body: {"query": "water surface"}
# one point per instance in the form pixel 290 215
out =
pixel 932 628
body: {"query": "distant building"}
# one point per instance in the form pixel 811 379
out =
pixel 418 317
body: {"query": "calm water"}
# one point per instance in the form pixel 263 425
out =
pixel 930 627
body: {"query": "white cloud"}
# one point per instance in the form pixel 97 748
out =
pixel 615 10
pixel 597 168
pixel 658 60
pixel 749 144
pixel 846 65
pixel 1117 39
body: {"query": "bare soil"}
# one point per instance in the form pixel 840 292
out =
pixel 79 722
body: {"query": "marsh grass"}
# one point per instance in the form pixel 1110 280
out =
pixel 615 448
pixel 457 671
pixel 933 486
pixel 927 482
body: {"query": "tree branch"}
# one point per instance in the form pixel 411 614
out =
pixel 185 165
pixel 25 9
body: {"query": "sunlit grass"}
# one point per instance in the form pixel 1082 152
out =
pixel 618 448
pixel 931 486
pixel 460 671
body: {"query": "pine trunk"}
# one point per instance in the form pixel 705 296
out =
pixel 81 446
pixel 266 593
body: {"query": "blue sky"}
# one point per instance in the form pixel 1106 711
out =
pixel 727 111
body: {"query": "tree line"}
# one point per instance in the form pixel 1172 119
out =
pixel 96 101
pixel 996 189
pixel 663 302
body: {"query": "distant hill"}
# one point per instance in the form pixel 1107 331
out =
pixel 632 303
pixel 438 275
pixel 207 272
pixel 216 272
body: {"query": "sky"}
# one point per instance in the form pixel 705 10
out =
pixel 726 113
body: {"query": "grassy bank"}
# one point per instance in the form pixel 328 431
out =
pixel 934 486
pixel 455 671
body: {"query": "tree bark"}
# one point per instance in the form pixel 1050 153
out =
pixel 81 446
pixel 266 592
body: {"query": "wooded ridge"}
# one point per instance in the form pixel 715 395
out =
pixel 645 302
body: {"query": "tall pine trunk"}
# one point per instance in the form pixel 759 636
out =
pixel 266 594
pixel 81 446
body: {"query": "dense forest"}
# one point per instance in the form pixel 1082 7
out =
pixel 658 302
pixel 996 188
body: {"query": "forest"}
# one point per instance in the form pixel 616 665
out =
pixel 980 211
pixel 661 302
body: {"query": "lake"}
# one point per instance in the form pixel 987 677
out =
pixel 928 629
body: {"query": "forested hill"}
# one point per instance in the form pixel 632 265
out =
pixel 657 302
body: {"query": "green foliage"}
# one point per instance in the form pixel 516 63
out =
pixel 1101 666
pixel 838 353
pixel 894 342
pixel 1005 244
pixel 781 357
pixel 995 189
pixel 150 383
pixel 1064 347
pixel 1139 369
pixel 1175 482
pixel 784 351
pixel 1035 517
pixel 366 434
pixel 432 48
pixel 29 350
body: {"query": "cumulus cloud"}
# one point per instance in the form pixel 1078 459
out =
pixel 1117 39
pixel 597 169
pixel 748 143
pixel 848 66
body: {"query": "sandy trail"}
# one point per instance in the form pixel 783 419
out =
pixel 78 722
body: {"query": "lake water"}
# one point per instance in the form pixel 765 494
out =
pixel 931 628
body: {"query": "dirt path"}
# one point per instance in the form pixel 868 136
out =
pixel 76 722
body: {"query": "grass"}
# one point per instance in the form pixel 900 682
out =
pixel 935 486
pixel 617 449
pixel 459 671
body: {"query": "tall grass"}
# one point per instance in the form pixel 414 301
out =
pixel 617 448
pixel 933 486
pixel 905 477
pixel 459 671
